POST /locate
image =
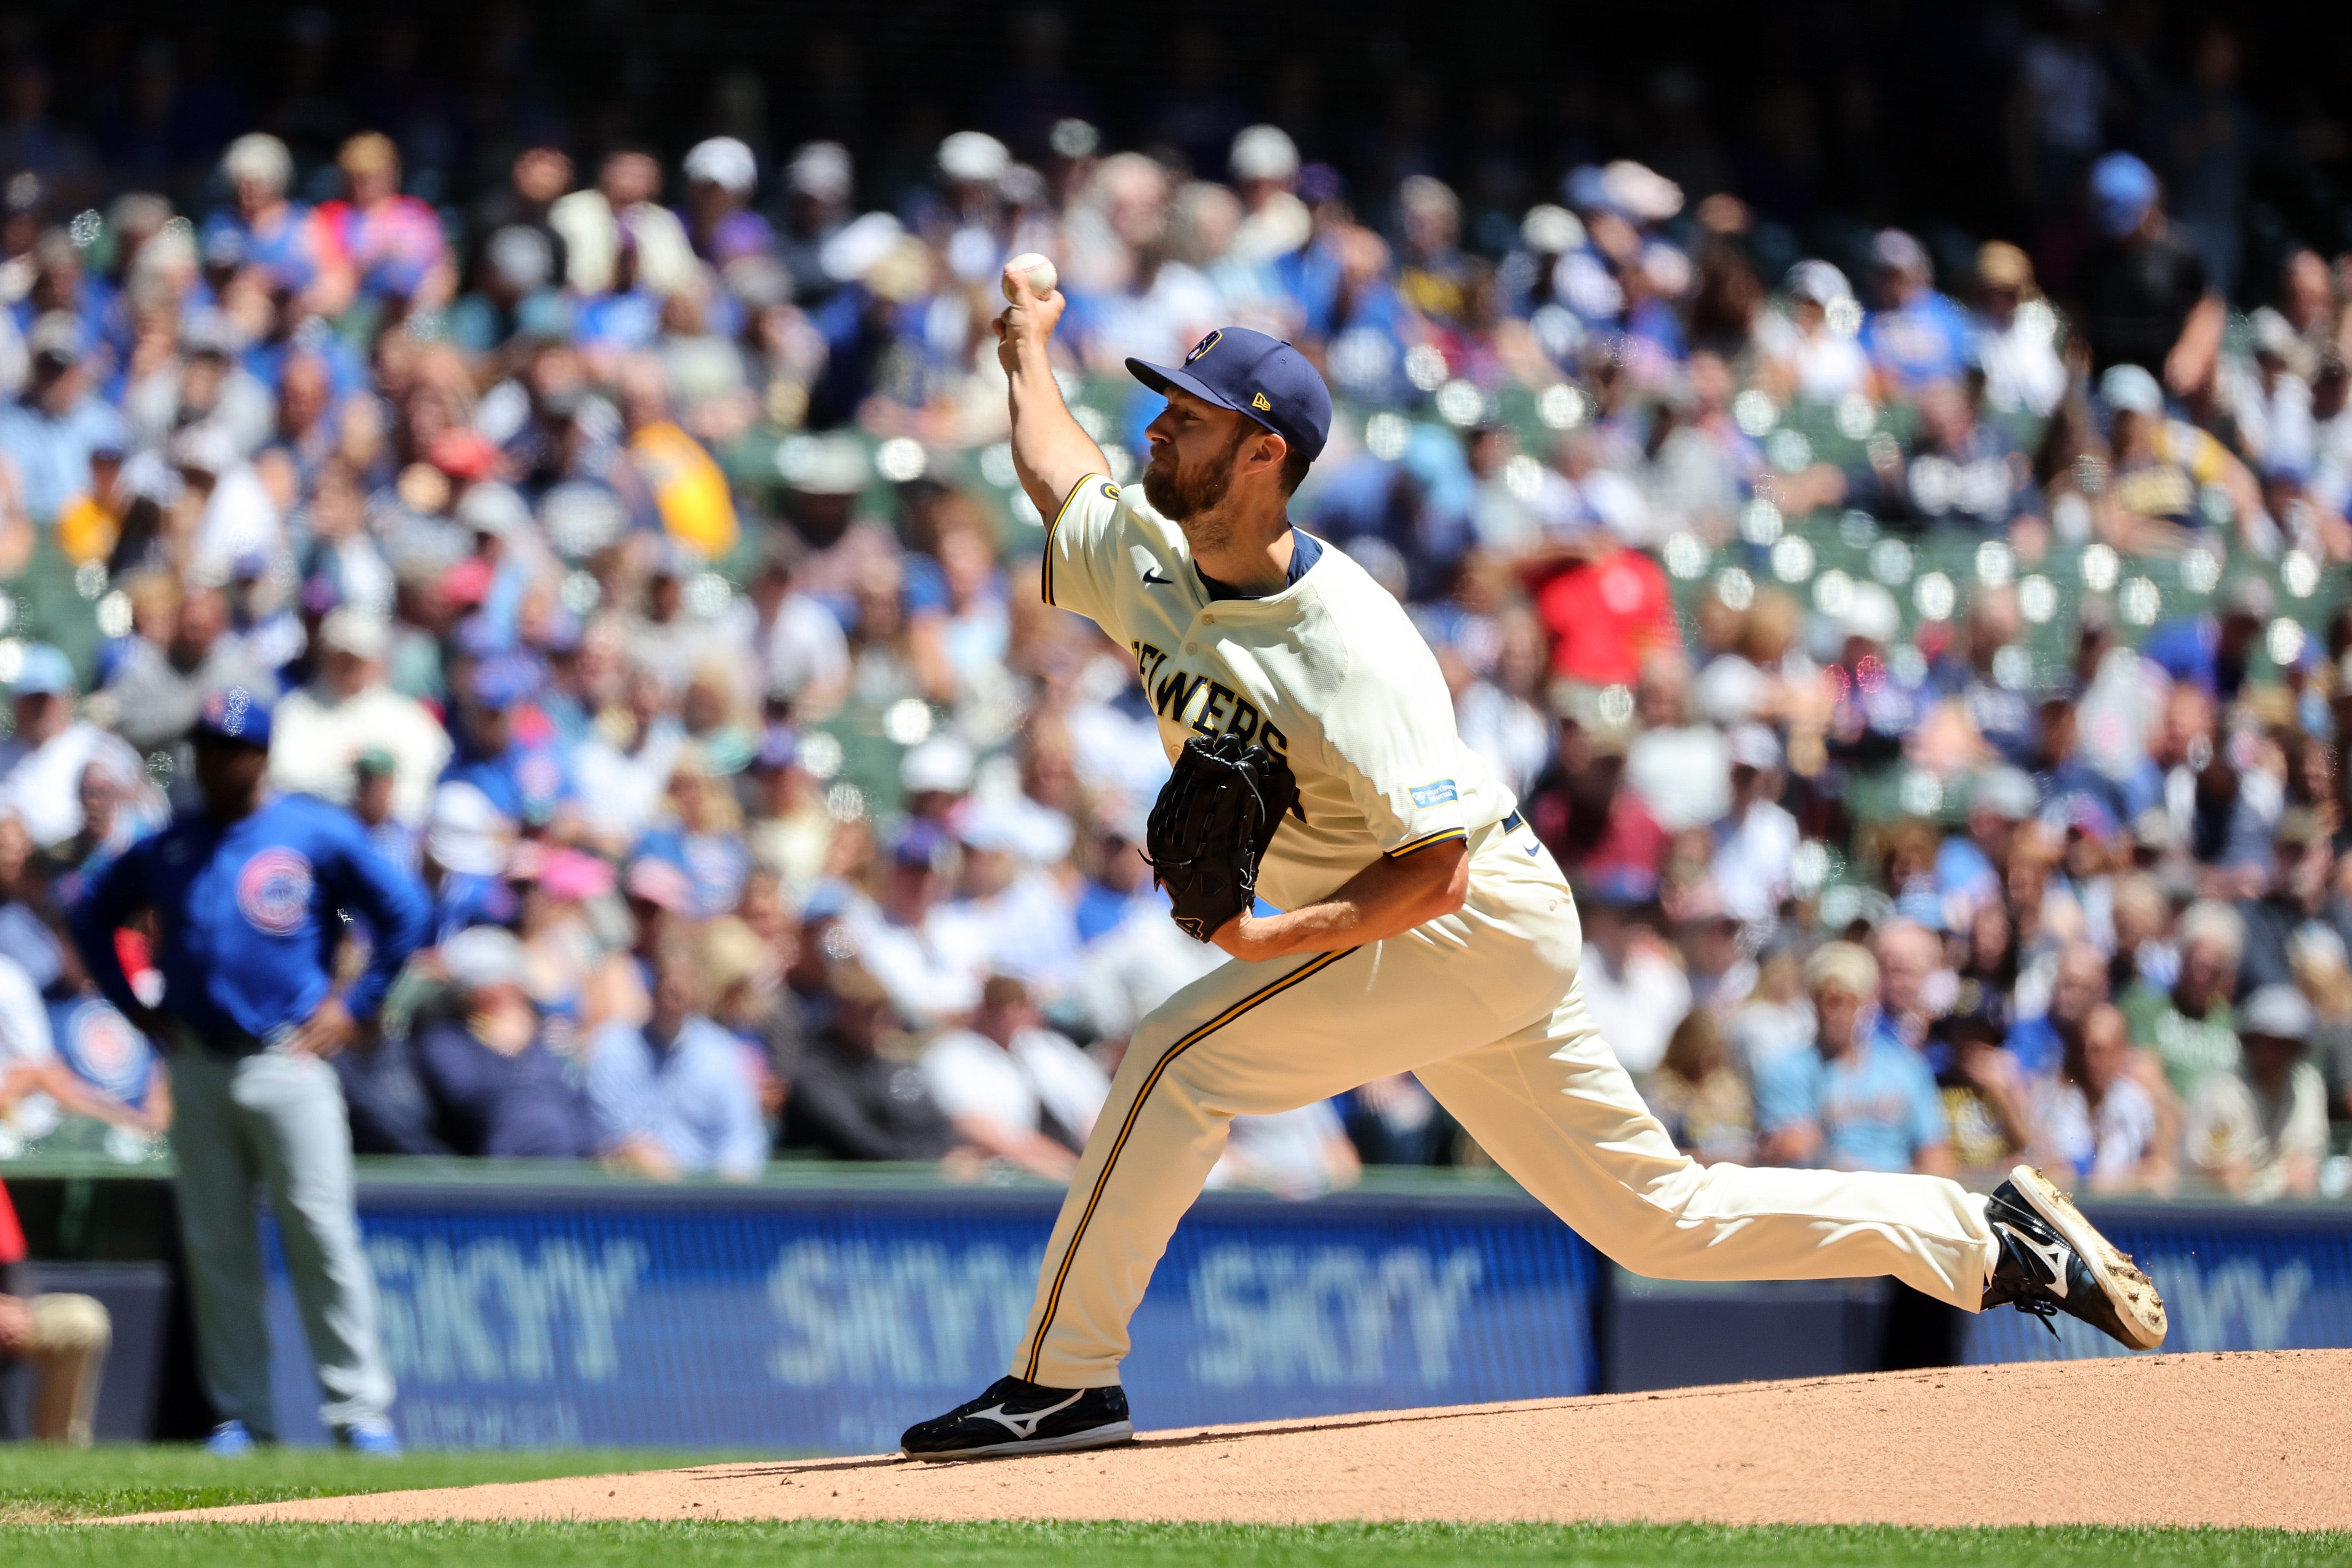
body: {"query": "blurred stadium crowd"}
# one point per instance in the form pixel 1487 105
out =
pixel 638 553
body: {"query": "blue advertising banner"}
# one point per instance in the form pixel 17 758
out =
pixel 2232 1279
pixel 789 1320
pixel 805 1319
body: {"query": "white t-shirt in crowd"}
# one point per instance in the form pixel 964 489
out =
pixel 1041 1074
pixel 1682 775
pixel 2230 1122
pixel 1027 931
pixel 315 737
pixel 621 792
pixel 2104 1146
pixel 926 970
pixel 804 647
pixel 1636 1011
pixel 1285 1152
pixel 1752 861
pixel 42 785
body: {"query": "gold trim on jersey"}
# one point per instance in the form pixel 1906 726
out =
pixel 1045 568
pixel 1070 1254
pixel 1442 835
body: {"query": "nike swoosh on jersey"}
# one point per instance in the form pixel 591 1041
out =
pixel 1024 1426
pixel 1152 578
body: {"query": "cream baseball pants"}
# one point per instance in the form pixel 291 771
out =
pixel 1484 1006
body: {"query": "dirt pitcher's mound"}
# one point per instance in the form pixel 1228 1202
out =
pixel 2255 1439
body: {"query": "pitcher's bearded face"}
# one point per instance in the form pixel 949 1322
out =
pixel 1183 487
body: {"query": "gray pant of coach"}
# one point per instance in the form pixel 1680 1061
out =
pixel 273 1119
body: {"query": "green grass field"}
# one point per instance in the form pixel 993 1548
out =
pixel 42 1485
pixel 44 1493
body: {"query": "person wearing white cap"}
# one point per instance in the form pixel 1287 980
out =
pixel 1678 766
pixel 493 1088
pixel 720 177
pixel 1917 335
pixel 2261 1131
pixel 935 776
pixel 1010 914
pixel 972 158
pixel 349 708
pixel 237 520
pixel 42 764
pixel 1811 348
pixel 818 183
pixel 1756 840
pixel 1264 165
pixel 1871 617
pixel 2163 468
pixel 51 429
pixel 1875 705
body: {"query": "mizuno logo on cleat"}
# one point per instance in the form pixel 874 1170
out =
pixel 1024 1426
pixel 2053 1253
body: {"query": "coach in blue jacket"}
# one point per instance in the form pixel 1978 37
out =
pixel 253 894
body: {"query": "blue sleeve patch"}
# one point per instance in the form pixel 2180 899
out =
pixel 1438 794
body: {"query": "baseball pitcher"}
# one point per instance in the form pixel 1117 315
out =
pixel 1423 927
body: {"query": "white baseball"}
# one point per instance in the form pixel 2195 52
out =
pixel 1037 269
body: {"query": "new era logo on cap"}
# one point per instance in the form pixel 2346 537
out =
pixel 1264 378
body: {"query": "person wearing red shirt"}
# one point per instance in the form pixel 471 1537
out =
pixel 65 1337
pixel 1605 609
pixel 391 245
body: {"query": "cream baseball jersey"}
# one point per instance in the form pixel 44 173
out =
pixel 1330 671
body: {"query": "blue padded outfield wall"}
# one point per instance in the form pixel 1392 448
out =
pixel 828 1319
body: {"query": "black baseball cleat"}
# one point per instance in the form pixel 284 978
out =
pixel 1018 1418
pixel 2054 1260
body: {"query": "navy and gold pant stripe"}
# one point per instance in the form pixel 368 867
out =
pixel 1127 1126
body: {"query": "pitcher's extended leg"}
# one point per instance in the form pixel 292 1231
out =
pixel 1244 1039
pixel 1554 1108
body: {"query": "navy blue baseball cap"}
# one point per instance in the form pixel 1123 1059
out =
pixel 1253 374
pixel 238 713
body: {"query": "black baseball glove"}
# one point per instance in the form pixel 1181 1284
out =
pixel 1210 825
